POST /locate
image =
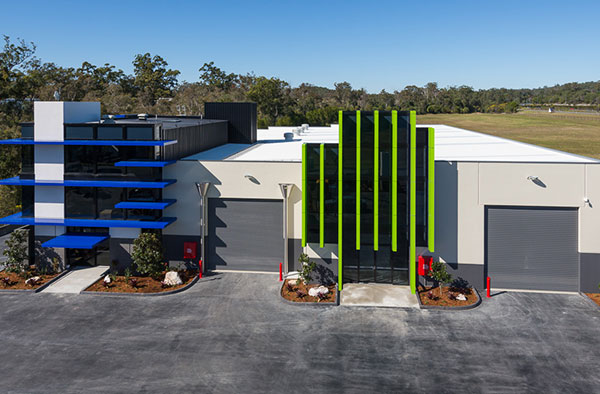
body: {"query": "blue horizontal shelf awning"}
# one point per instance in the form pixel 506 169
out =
pixel 148 163
pixel 145 204
pixel 18 219
pixel 21 141
pixel 16 181
pixel 75 241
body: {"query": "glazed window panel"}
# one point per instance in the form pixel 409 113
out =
pixel 79 133
pixel 331 194
pixel 313 158
pixel 80 202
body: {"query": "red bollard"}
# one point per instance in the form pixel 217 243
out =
pixel 280 272
pixel 200 268
pixel 488 288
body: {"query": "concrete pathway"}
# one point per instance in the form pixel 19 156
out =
pixel 76 280
pixel 357 294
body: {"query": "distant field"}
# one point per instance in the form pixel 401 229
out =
pixel 575 133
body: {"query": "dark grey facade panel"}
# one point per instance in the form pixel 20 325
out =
pixel 173 249
pixel 532 248
pixel 194 139
pixel 242 118
pixel 589 272
pixel 244 234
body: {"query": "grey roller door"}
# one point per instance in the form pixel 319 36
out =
pixel 244 234
pixel 532 248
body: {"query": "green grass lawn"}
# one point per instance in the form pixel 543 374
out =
pixel 575 133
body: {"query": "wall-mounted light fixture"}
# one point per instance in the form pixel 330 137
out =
pixel 252 179
pixel 532 178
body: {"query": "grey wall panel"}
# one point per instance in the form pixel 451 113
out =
pixel 120 251
pixel 242 118
pixel 532 248
pixel 244 234
pixel 589 272
pixel 472 273
pixel 194 139
pixel 173 246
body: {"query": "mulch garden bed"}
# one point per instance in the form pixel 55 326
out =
pixel 594 297
pixel 143 284
pixel 299 293
pixel 446 300
pixel 15 282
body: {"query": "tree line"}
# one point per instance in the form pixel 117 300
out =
pixel 154 87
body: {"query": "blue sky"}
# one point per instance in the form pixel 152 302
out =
pixel 372 45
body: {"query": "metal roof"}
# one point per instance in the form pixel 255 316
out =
pixel 451 144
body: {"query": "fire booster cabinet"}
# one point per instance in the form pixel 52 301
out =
pixel 424 265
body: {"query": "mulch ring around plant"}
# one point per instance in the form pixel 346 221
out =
pixel 299 293
pixel 140 284
pixel 431 296
pixel 594 297
pixel 12 281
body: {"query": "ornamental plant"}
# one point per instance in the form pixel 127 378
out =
pixel 147 255
pixel 16 252
pixel 306 268
pixel 439 274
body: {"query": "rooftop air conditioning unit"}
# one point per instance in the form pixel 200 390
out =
pixel 143 116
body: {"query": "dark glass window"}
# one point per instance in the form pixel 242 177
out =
pixel 110 133
pixel 140 133
pixel 79 161
pixel 80 202
pixel 331 194
pixel 313 183
pixel 143 214
pixel 106 157
pixel 108 197
pixel 143 194
pixel 27 168
pixel 27 131
pixel 28 205
pixel 79 133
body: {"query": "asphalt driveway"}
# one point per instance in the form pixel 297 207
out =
pixel 232 334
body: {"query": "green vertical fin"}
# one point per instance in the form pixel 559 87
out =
pixel 376 183
pixel 431 190
pixel 322 195
pixel 304 196
pixel 357 180
pixel 394 201
pixel 413 203
pixel 340 201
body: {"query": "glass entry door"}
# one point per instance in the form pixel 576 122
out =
pixel 369 266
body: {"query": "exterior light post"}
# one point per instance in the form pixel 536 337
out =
pixel 202 191
pixel 286 190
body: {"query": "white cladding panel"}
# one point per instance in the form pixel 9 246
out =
pixel 49 202
pixel 229 180
pixel 49 120
pixel 49 162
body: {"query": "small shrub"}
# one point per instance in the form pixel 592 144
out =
pixel 55 265
pixel 289 286
pixel 431 296
pixel 147 255
pixel 460 285
pixel 127 274
pixel 321 297
pixel 164 284
pixel 6 281
pixel 17 252
pixel 300 294
pixel 133 282
pixel 307 267
pixel 439 274
pixel 451 296
pixel 43 270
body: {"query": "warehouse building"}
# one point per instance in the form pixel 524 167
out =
pixel 524 215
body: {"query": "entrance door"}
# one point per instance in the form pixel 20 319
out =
pixel 369 266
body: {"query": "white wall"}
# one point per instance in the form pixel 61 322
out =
pixel 229 181
pixel 49 120
pixel 481 184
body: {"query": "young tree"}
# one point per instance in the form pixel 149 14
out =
pixel 17 252
pixel 147 254
pixel 439 274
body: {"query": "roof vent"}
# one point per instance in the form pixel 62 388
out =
pixel 109 119
pixel 143 116
pixel 288 136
